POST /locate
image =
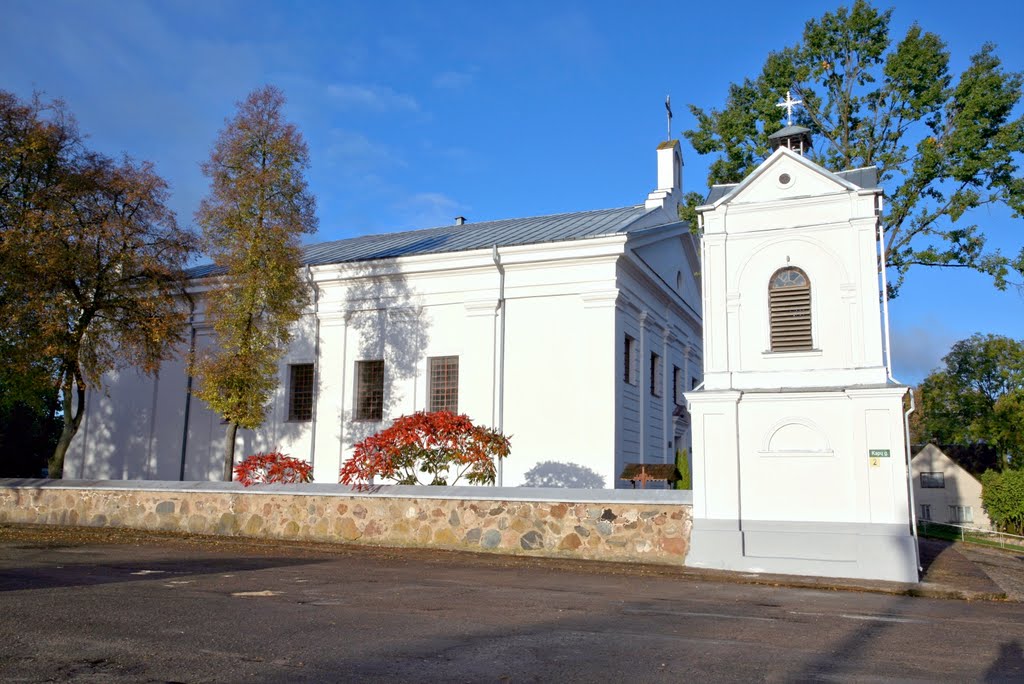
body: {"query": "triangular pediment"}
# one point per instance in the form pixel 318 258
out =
pixel 783 175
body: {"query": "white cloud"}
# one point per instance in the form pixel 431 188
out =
pixel 428 209
pixel 918 349
pixel 356 153
pixel 453 80
pixel 372 97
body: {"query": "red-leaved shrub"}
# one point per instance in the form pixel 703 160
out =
pixel 444 446
pixel 272 467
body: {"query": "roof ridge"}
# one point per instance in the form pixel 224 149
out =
pixel 470 224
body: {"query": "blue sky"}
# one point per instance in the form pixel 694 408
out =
pixel 417 112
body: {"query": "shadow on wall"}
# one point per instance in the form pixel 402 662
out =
pixel 387 322
pixel 564 475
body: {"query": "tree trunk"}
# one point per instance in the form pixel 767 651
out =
pixel 72 419
pixel 229 451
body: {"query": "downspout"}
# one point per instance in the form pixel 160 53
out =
pixel 188 386
pixel 910 481
pixel 885 293
pixel 500 418
pixel 316 361
pixel 913 404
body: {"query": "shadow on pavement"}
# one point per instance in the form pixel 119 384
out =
pixel 88 574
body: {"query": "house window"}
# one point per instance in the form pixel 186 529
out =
pixel 933 481
pixel 677 385
pixel 693 383
pixel 961 514
pixel 629 373
pixel 926 511
pixel 370 390
pixel 300 391
pixel 443 383
pixel 789 306
pixel 655 375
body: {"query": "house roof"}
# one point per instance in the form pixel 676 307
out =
pixel 866 178
pixel 974 458
pixel 455 238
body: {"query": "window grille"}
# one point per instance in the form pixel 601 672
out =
pixel 370 390
pixel 789 303
pixel 933 481
pixel 655 375
pixel 443 383
pixel 300 391
pixel 629 373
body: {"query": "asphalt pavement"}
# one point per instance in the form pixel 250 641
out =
pixel 119 606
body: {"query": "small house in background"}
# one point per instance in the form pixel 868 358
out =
pixel 946 486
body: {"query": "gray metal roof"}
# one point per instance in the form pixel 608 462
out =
pixel 457 238
pixel 717 192
pixel 866 178
pixel 789 131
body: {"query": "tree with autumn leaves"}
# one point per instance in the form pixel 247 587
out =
pixel 441 446
pixel 257 210
pixel 91 264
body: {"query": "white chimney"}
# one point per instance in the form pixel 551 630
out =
pixel 670 178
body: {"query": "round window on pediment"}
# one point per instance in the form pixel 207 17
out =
pixel 785 180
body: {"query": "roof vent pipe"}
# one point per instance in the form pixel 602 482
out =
pixel 460 220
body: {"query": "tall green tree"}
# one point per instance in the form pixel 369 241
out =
pixel 945 145
pixel 91 263
pixel 257 210
pixel 977 397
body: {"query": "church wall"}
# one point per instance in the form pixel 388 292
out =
pixel 562 374
pixel 648 312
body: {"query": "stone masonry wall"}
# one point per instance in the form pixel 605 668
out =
pixel 625 530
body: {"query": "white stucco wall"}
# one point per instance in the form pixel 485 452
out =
pixel 561 375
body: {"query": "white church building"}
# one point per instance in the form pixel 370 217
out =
pixel 576 334
pixel 582 336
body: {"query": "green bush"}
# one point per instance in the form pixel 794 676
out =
pixel 1002 496
pixel 685 480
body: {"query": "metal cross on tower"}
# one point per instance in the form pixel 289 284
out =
pixel 789 103
pixel 668 111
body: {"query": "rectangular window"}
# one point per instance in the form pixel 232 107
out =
pixel 370 390
pixel 933 481
pixel 655 375
pixel 926 511
pixel 677 385
pixel 961 514
pixel 300 391
pixel 629 362
pixel 693 383
pixel 443 383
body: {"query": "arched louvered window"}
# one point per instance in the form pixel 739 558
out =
pixel 789 303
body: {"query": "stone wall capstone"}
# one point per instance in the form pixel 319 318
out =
pixel 652 526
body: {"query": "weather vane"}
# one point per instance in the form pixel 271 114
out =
pixel 788 103
pixel 668 111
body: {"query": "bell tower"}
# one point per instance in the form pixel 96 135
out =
pixel 799 442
